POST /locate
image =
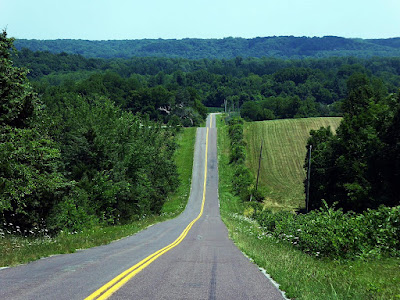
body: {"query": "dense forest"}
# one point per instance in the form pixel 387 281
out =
pixel 176 89
pixel 76 160
pixel 277 46
pixel 90 140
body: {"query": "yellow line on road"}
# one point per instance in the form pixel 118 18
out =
pixel 115 284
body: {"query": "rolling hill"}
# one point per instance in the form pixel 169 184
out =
pixel 276 46
pixel 284 151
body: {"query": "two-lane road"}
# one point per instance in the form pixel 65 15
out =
pixel 197 260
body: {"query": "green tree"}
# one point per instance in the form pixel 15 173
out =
pixel 29 160
pixel 322 166
pixel 122 165
pixel 350 168
pixel 390 158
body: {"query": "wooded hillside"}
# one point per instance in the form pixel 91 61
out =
pixel 276 46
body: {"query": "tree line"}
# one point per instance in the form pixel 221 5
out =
pixel 284 47
pixel 77 159
pixel 177 89
pixel 358 167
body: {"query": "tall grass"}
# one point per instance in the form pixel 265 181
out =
pixel 16 248
pixel 284 150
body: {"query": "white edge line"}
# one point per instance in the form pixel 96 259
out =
pixel 268 276
pixel 273 282
pixel 261 269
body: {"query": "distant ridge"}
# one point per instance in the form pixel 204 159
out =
pixel 276 46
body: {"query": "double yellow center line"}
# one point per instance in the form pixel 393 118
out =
pixel 115 284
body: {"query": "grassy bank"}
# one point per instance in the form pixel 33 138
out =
pixel 300 275
pixel 16 249
pixel 284 150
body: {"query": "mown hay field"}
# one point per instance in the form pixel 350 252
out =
pixel 284 151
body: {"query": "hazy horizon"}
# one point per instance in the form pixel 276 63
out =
pixel 206 19
pixel 195 38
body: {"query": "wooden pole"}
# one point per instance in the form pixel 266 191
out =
pixel 308 177
pixel 259 163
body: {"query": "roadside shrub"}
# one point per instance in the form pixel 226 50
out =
pixel 258 195
pixel 235 120
pixel 235 133
pixel 383 228
pixel 237 154
pixel 72 214
pixel 328 232
pixel 242 183
pixel 268 220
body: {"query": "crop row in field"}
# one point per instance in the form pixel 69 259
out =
pixel 284 150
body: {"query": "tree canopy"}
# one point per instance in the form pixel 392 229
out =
pixel 73 158
pixel 277 46
pixel 357 167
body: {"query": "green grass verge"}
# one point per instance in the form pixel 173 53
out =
pixel 16 249
pixel 300 275
pixel 176 203
pixel 284 151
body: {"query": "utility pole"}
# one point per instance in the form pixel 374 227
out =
pixel 308 178
pixel 259 163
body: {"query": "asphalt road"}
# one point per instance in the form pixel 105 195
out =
pixel 204 265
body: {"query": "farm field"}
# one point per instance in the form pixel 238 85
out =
pixel 284 150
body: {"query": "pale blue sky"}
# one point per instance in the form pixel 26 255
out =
pixel 132 19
